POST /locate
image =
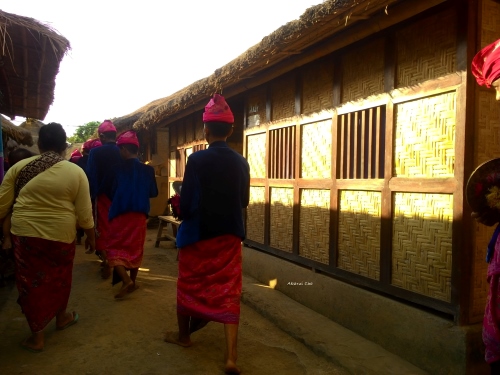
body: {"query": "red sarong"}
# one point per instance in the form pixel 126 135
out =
pixel 43 277
pixel 102 226
pixel 209 283
pixel 125 246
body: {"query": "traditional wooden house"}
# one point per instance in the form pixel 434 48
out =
pixel 361 123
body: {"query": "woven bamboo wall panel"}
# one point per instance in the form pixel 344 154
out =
pixel 281 229
pixel 362 77
pixel 317 87
pixel 490 25
pixel 316 150
pixel 255 214
pixel 256 155
pixel 256 108
pixel 181 133
pixel 189 125
pixel 314 231
pixel 198 128
pixel 283 97
pixel 359 233
pixel 427 49
pixel 422 243
pixel 425 137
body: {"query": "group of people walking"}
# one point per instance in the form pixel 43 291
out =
pixel 46 202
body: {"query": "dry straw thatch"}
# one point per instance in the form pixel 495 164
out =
pixel 18 134
pixel 317 22
pixel 30 54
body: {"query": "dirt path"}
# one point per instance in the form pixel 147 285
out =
pixel 125 337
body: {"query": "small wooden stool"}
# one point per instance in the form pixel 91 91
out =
pixel 164 222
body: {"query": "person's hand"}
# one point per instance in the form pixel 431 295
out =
pixel 488 217
pixel 89 245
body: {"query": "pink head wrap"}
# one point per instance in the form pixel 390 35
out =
pixel 106 126
pixel 91 143
pixel 217 110
pixel 128 137
pixel 486 64
pixel 75 155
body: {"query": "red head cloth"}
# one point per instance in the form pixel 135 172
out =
pixel 128 137
pixel 76 153
pixel 217 110
pixel 106 126
pixel 91 143
pixel 486 64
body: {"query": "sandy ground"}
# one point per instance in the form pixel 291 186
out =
pixel 125 336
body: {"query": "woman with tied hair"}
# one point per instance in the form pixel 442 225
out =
pixel 486 70
pixel 50 196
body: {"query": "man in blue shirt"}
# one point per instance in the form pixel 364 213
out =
pixel 100 165
pixel 215 189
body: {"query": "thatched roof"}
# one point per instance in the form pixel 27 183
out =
pixel 20 135
pixel 30 54
pixel 317 23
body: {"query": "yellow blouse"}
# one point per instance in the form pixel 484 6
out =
pixel 50 204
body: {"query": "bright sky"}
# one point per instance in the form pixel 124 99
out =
pixel 127 54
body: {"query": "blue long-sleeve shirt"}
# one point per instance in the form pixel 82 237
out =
pixel 132 186
pixel 215 189
pixel 99 165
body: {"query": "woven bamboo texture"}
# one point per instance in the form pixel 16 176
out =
pixel 314 231
pixel 362 77
pixel 172 164
pixel 359 233
pixel 256 108
pixel 425 137
pixel 198 128
pixel 189 125
pixel 181 133
pixel 283 97
pixel 317 87
pixel 490 23
pixel 256 155
pixel 422 243
pixel 316 150
pixel 427 49
pixel 281 228
pixel 255 214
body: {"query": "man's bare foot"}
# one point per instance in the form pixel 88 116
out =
pixel 124 290
pixel 231 368
pixel 173 338
pixel 133 287
pixel 33 344
pixel 68 320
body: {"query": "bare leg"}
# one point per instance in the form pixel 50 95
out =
pixel 133 276
pixel 231 333
pixel 106 269
pixel 182 337
pixel 126 281
pixel 63 318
